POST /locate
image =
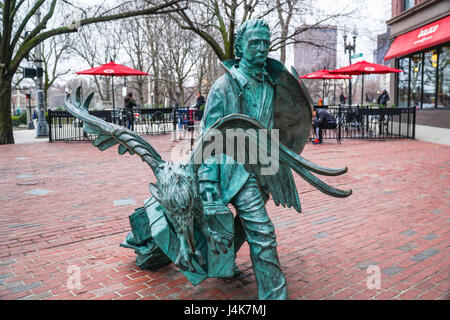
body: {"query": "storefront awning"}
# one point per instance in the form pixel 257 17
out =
pixel 422 38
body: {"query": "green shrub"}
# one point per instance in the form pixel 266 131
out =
pixel 16 120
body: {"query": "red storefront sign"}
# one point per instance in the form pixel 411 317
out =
pixel 422 38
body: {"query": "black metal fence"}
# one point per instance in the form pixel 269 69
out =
pixel 352 123
pixel 64 127
pixel 370 123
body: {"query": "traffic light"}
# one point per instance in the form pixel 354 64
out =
pixel 32 72
pixel 27 96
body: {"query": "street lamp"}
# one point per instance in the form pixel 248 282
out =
pixel 42 127
pixel 350 48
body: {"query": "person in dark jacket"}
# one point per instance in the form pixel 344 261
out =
pixel 129 103
pixel 322 120
pixel 383 98
pixel 342 98
pixel 200 100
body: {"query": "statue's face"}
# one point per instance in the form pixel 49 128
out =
pixel 255 46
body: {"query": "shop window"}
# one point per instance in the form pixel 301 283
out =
pixel 408 4
pixel 416 79
pixel 429 79
pixel 443 94
pixel 403 85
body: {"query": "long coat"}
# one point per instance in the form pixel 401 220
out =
pixel 289 111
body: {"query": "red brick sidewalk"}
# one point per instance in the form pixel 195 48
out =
pixel 67 204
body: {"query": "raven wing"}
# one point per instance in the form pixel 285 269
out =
pixel 110 134
pixel 279 184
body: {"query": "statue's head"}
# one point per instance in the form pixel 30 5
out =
pixel 252 42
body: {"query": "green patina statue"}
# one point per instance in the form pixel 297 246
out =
pixel 187 220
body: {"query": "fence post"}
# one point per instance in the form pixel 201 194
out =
pixel 174 120
pixel 414 123
pixel 49 125
pixel 339 123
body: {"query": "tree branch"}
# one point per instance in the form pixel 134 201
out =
pixel 25 22
pixel 6 32
pixel 26 47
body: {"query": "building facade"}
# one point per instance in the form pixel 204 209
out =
pixel 383 45
pixel 420 35
pixel 315 49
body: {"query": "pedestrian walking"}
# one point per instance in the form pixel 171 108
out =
pixel 129 103
pixel 35 116
pixel 200 101
pixel 342 98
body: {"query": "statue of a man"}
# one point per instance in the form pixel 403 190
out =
pixel 247 88
pixel 187 221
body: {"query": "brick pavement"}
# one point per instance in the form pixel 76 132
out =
pixel 67 204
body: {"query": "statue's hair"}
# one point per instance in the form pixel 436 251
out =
pixel 243 28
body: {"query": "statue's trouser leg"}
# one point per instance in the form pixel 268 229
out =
pixel 260 234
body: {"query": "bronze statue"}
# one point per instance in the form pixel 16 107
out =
pixel 187 220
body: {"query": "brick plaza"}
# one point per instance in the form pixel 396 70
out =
pixel 66 205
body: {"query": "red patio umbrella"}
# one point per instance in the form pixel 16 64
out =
pixel 325 74
pixel 114 70
pixel 362 68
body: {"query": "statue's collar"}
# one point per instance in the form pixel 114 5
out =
pixel 243 76
pixel 274 68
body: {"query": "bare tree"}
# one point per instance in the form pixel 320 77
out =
pixel 207 67
pixel 15 46
pixel 178 58
pixel 136 47
pixel 53 52
pixel 222 16
pixel 152 28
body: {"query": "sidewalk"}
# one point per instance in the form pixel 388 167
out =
pixel 433 134
pixel 64 207
pixel 27 136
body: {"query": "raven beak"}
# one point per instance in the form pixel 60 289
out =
pixel 189 235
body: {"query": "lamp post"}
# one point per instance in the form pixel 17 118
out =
pixel 350 48
pixel 42 127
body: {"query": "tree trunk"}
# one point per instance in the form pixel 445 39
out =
pixel 284 34
pixel 140 91
pixel 6 130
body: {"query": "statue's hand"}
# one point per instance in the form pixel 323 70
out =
pixel 219 243
pixel 185 257
pixel 209 191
